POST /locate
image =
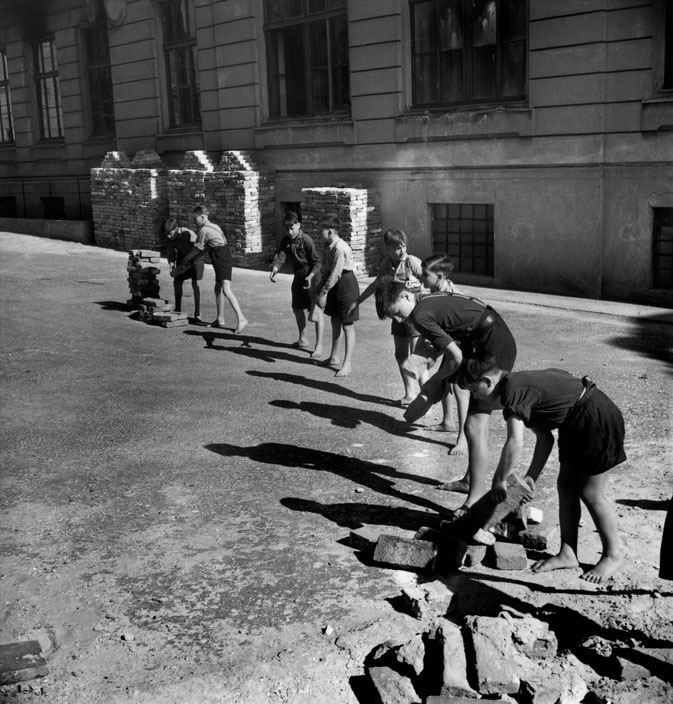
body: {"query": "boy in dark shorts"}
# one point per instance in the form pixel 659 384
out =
pixel 300 249
pixel 211 239
pixel 590 439
pixel 337 293
pixel 456 326
pixel 179 243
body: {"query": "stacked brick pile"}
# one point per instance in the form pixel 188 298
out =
pixel 359 211
pixel 186 187
pixel 158 311
pixel 143 272
pixel 128 200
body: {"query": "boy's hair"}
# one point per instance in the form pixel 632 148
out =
pixel 475 368
pixel 290 218
pixel 330 222
pixel 170 224
pixel 201 210
pixel 438 264
pixel 395 236
pixel 387 292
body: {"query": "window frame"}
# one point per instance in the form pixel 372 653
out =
pixel 307 17
pixel 661 217
pixel 7 134
pixel 96 103
pixel 40 78
pixel 468 63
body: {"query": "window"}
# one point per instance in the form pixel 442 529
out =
pixel 181 65
pixel 667 83
pixel 48 91
pixel 662 248
pixel 6 120
pixel 465 233
pixel 468 51
pixel 99 77
pixel 307 50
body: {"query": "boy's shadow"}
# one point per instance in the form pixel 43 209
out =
pixel 114 305
pixel 349 417
pixel 376 477
pixel 647 504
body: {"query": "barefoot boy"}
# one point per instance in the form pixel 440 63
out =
pixel 338 292
pixel 456 326
pixel 590 438
pixel 179 243
pixel 300 249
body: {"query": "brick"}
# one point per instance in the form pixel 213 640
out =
pixel 534 515
pixel 539 538
pixel 391 687
pixel 169 316
pixel 494 664
pixel 21 661
pixel 454 662
pixel 363 538
pixel 412 654
pixel 533 637
pixel 175 324
pixel 429 600
pixel 154 302
pixel 509 556
pixel 448 699
pixel 405 553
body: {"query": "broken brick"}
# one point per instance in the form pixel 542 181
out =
pixel 538 538
pixel 509 556
pixel 412 654
pixel 454 662
pixel 532 637
pixel 405 553
pixel 429 600
pixel 495 665
pixel 391 687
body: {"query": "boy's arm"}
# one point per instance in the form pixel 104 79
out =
pixel 279 258
pixel 509 457
pixel 331 278
pixel 544 442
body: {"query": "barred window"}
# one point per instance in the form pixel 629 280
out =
pixel 6 119
pixel 182 75
pixel 48 90
pixel 99 79
pixel 307 50
pixel 468 51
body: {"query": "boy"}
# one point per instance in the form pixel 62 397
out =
pixel 300 250
pixel 211 239
pixel 338 292
pixel 456 326
pixel 179 241
pixel 590 439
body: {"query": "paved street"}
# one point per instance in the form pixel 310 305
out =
pixel 197 499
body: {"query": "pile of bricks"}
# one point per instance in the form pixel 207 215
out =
pixel 186 187
pixel 358 210
pixel 158 311
pixel 143 272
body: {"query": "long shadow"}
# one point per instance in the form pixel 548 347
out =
pixel 113 305
pixel 326 386
pixel 376 477
pixel 651 338
pixel 349 417
pixel 647 504
pixel 220 334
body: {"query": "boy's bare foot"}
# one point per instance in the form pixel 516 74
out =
pixel 460 486
pixel 460 448
pixel 317 352
pixel 241 325
pixel 403 402
pixel 602 570
pixel 216 324
pixel 562 561
pixel 329 362
pixel 344 371
pixel 441 428
pixel 461 511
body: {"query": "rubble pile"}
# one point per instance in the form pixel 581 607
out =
pixel 358 210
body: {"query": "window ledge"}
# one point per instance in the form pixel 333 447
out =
pixel 313 131
pixel 495 122
pixel 657 113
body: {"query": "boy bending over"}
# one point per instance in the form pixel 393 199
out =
pixel 590 439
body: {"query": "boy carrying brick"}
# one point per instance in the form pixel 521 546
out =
pixel 179 243
pixel 300 249
pixel 590 438
pixel 337 293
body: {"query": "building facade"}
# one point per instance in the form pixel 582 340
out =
pixel 531 140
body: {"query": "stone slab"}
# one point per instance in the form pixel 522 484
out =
pixel 405 553
pixel 454 662
pixel 509 556
pixel 494 664
pixel 391 687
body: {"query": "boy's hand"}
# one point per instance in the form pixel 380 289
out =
pixel 418 408
pixel 352 308
pixel 321 300
pixel 531 485
pixel 499 488
pixel 272 275
pixel 308 282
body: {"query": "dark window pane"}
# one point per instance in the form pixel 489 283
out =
pixel 425 83
pixel 483 22
pixel 514 70
pixel 425 26
pixel 451 26
pixel 514 19
pixel 452 77
pixel 484 74
pixel 317 5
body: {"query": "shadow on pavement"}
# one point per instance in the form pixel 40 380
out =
pixel 651 339
pixel 647 504
pixel 368 474
pixel 114 305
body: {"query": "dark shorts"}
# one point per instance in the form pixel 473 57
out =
pixel 220 258
pixel 341 297
pixel 302 298
pixel 194 273
pixel 592 436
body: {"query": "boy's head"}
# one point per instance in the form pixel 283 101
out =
pixel 436 270
pixel 329 228
pixel 480 375
pixel 394 300
pixel 291 223
pixel 170 226
pixel 200 213
pixel 395 242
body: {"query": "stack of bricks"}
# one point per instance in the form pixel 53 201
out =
pixel 358 210
pixel 186 186
pixel 128 200
pixel 158 311
pixel 143 270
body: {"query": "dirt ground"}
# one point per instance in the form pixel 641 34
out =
pixel 175 516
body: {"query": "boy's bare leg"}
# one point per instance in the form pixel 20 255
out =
pixel 319 319
pixel 196 290
pixel 569 511
pixel 462 397
pixel 333 359
pixel 300 317
pixel 349 335
pixel 229 294
pixel 406 367
pixel 177 294
pixel 219 303
pixel 605 520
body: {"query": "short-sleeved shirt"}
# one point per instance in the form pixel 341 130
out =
pixel 179 245
pixel 540 398
pixel 443 318
pixel 210 236
pixel 302 253
pixel 337 258
pixel 407 271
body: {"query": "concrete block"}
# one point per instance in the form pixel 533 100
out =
pixel 495 666
pixel 364 538
pixel 430 600
pixel 391 687
pixel 509 556
pixel 21 661
pixel 405 553
pixel 454 662
pixel 539 538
